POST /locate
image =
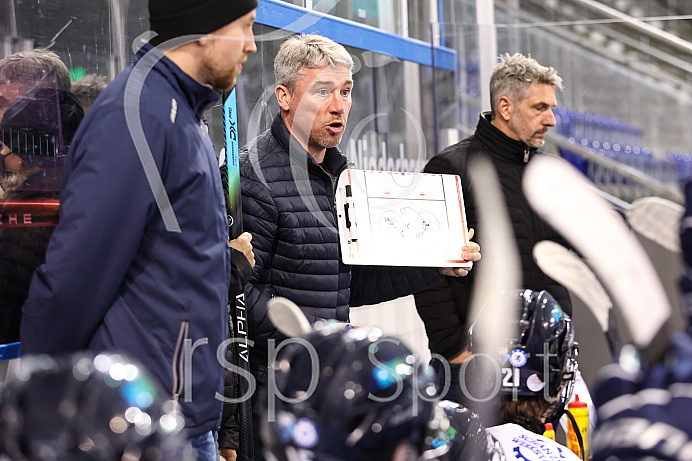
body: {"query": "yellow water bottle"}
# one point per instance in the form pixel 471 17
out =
pixel 549 431
pixel 580 411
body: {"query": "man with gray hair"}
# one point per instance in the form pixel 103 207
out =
pixel 288 175
pixel 20 73
pixel 25 70
pixel 522 95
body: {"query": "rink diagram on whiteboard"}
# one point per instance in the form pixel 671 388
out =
pixel 401 219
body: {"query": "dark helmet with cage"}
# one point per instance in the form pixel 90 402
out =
pixel 456 434
pixel 86 407
pixel 543 340
pixel 346 395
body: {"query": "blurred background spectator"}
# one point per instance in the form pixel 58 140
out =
pixel 36 132
pixel 88 88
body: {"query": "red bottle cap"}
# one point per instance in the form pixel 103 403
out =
pixel 576 403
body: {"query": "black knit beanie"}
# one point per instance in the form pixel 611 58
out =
pixel 175 18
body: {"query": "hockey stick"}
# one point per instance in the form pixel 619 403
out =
pixel 569 203
pixel 565 267
pixel 237 318
pixel 231 166
pixel 499 271
pixel 287 317
pixel 658 220
pixel 500 268
pixel 571 271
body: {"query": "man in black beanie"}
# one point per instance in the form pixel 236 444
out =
pixel 216 61
pixel 140 261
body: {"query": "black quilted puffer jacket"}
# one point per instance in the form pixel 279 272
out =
pixel 289 208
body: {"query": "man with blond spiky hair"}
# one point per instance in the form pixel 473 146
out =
pixel 522 96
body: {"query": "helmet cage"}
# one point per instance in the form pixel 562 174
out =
pixel 541 358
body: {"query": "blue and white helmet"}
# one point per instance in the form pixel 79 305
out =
pixel 543 340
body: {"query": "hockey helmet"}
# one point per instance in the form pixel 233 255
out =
pixel 543 342
pixel 345 395
pixel 85 407
pixel 41 124
pixel 456 434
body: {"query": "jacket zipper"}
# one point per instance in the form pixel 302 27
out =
pixel 177 367
pixel 527 151
pixel 334 180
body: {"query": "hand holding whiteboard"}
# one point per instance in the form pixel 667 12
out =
pixel 389 218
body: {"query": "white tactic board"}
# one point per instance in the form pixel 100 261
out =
pixel 389 218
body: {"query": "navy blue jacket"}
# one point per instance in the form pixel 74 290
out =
pixel 644 411
pixel 289 207
pixel 115 277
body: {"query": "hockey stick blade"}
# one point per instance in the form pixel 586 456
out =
pixel 500 269
pixel 287 317
pixel 570 204
pixel 658 220
pixel 565 267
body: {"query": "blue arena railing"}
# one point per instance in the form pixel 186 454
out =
pixel 282 15
pixel 9 351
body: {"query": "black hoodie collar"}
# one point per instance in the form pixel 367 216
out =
pixel 500 144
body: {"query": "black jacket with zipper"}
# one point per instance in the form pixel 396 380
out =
pixel 444 307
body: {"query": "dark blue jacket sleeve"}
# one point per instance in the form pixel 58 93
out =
pixel 105 206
